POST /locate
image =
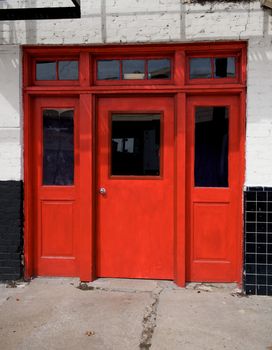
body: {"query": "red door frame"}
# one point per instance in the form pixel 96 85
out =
pixel 87 93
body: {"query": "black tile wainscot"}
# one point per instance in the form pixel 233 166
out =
pixel 258 240
pixel 11 224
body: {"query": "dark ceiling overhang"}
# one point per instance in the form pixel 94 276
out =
pixel 39 13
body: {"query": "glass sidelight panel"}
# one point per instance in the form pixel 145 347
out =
pixel 211 146
pixel 224 67
pixel 135 144
pixel 58 147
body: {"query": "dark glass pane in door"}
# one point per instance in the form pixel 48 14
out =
pixel 211 146
pixel 58 147
pixel 135 145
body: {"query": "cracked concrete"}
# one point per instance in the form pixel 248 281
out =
pixel 124 314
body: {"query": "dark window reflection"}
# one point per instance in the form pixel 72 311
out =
pixel 211 146
pixel 200 68
pixel 58 147
pixel 224 67
pixel 108 70
pixel 159 69
pixel 46 70
pixel 135 145
pixel 133 69
pixel 68 70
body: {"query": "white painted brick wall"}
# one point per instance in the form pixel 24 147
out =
pixel 10 114
pixel 129 21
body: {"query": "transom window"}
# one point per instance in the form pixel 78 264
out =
pixel 134 69
pixel 57 70
pixel 212 67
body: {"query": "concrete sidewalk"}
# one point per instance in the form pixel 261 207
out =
pixel 131 314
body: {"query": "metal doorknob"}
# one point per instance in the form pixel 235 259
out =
pixel 102 190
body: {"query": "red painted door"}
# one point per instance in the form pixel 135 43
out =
pixel 135 174
pixel 214 189
pixel 55 168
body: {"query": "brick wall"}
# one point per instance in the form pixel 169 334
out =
pixel 11 221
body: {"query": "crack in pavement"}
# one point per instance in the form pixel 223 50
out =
pixel 150 320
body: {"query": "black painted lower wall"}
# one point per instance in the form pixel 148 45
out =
pixel 258 240
pixel 11 228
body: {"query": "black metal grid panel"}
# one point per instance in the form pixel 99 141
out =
pixel 39 13
pixel 258 240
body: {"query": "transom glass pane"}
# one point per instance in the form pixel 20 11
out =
pixel 108 70
pixel 46 70
pixel 135 144
pixel 133 69
pixel 224 67
pixel 58 147
pixel 68 70
pixel 211 146
pixel 200 68
pixel 159 69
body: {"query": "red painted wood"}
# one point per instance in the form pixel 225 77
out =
pixel 56 209
pixel 85 90
pixel 180 181
pixel 214 214
pixel 135 222
pixel 87 210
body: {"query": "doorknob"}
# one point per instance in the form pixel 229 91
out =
pixel 102 191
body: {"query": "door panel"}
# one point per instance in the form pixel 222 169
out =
pixel 135 166
pixel 55 155
pixel 213 192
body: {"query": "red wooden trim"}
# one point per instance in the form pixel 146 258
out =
pixel 84 72
pixel 86 267
pixel 242 164
pixel 180 209
pixel 120 49
pixel 179 64
pixel 37 90
pixel 28 193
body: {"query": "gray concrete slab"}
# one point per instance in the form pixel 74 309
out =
pixel 52 313
pixel 210 318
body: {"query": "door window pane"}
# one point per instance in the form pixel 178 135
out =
pixel 46 70
pixel 159 69
pixel 211 146
pixel 200 68
pixel 58 147
pixel 108 70
pixel 135 144
pixel 133 69
pixel 224 67
pixel 68 70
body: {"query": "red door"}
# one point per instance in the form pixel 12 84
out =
pixel 135 167
pixel 214 190
pixel 55 181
